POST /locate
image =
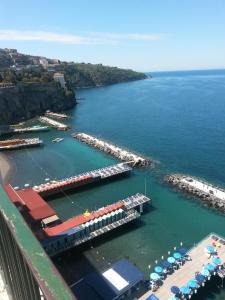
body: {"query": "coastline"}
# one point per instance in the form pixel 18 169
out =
pixel 6 169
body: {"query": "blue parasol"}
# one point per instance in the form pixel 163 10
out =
pixel 200 278
pixel 158 269
pixel 205 272
pixel 166 264
pixel 173 298
pixel 183 251
pixel 175 290
pixel 210 248
pixel 154 276
pixel 185 290
pixel 177 255
pixel 217 261
pixel 171 260
pixel 210 267
pixel 193 284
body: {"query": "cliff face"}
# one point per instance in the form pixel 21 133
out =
pixel 25 101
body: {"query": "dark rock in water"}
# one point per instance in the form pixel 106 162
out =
pixel 26 101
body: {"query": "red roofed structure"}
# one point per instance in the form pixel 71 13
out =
pixel 30 201
pixel 81 219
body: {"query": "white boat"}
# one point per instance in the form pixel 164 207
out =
pixel 57 140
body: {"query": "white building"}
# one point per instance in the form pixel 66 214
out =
pixel 59 77
pixel 44 62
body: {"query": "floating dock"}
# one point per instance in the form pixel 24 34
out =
pixel 58 186
pixel 53 123
pixel 211 195
pixel 30 129
pixel 205 259
pixel 83 228
pixel 118 152
pixel 14 144
pixel 56 115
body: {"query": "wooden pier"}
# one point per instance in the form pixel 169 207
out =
pixel 56 186
pixel 187 272
pixel 109 148
pixel 136 201
pixel 53 123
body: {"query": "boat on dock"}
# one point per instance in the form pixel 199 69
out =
pixel 53 187
pixel 53 123
pixel 14 144
pixel 210 195
pixel 56 115
pixel 116 151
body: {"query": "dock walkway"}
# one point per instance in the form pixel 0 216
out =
pixel 137 200
pixel 55 186
pixel 53 123
pixel 187 272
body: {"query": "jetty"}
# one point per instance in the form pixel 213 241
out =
pixel 188 270
pixel 30 129
pixel 56 115
pixel 52 187
pixel 83 228
pixel 14 144
pixel 210 195
pixel 116 151
pixel 53 123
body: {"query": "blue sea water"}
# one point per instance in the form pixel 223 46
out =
pixel 178 119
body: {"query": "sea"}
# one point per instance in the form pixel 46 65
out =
pixel 175 118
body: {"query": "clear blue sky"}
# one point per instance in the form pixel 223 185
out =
pixel 146 35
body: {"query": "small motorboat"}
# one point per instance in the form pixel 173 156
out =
pixel 57 140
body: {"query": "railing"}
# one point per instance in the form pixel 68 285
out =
pixel 28 272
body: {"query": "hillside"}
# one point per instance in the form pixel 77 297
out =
pixel 77 74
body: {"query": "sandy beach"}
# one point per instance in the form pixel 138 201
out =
pixel 5 168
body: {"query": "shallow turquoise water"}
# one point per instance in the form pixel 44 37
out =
pixel 178 119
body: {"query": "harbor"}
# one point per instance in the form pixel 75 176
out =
pixel 184 272
pixel 14 144
pixel 210 195
pixel 113 150
pixel 52 187
pixel 55 124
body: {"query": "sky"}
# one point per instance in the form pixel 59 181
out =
pixel 144 35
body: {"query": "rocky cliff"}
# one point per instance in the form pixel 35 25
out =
pixel 25 101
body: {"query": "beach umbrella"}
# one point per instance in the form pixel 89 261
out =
pixel 175 290
pixel 166 264
pixel 171 260
pixel 158 269
pixel 177 255
pixel 210 267
pixel 217 261
pixel 183 251
pixel 154 276
pixel 199 277
pixel 185 290
pixel 205 272
pixel 193 284
pixel 210 248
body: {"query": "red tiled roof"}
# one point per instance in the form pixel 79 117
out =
pixel 29 199
pixel 81 219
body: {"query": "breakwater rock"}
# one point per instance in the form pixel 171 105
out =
pixel 25 101
pixel 210 195
pixel 116 151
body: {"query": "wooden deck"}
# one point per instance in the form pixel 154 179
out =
pixel 187 272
